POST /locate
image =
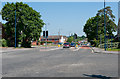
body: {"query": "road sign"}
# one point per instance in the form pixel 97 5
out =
pixel 46 34
pixel 43 33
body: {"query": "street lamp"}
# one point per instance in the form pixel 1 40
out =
pixel 97 29
pixel 15 25
pixel 104 27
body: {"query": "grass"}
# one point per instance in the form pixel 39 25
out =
pixel 19 47
pixel 113 49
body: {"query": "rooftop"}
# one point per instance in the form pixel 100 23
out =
pixel 54 37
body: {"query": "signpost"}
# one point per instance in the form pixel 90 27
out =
pixel 45 35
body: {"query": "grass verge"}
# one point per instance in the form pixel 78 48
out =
pixel 113 49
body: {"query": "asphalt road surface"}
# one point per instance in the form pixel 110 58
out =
pixel 68 62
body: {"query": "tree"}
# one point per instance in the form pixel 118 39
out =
pixel 28 23
pixel 90 27
pixel 108 13
pixel 83 37
pixel 70 39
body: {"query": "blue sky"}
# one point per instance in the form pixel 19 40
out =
pixel 69 17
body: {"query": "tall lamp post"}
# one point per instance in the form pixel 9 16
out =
pixel 97 30
pixel 15 25
pixel 104 27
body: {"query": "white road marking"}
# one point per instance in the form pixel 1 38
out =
pixel 50 49
pixel 76 49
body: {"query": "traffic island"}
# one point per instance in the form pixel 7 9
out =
pixel 99 50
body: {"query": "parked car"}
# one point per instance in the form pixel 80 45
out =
pixel 66 45
pixel 72 44
pixel 60 43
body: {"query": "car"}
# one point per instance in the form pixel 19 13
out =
pixel 72 44
pixel 66 45
pixel 60 43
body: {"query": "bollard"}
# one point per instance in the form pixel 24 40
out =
pixel 76 46
pixel 58 45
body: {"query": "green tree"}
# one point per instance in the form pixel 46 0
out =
pixel 28 23
pixel 70 39
pixel 90 27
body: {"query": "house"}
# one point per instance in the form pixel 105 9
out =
pixel 55 39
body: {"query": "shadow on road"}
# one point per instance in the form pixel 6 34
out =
pixel 97 76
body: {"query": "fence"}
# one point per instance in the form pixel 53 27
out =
pixel 109 45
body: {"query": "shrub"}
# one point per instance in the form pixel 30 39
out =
pixel 45 42
pixel 119 45
pixel 3 43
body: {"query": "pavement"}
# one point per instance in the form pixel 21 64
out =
pixel 12 49
pixel 99 50
pixel 67 62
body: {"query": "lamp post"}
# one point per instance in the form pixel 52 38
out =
pixel 15 25
pixel 97 31
pixel 104 27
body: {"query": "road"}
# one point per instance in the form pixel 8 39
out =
pixel 61 62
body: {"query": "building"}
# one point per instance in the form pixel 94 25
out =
pixel 55 39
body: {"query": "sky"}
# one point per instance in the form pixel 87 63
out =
pixel 59 0
pixel 69 17
pixel 0 10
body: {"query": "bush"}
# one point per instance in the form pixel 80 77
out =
pixel 45 42
pixel 77 43
pixel 3 43
pixel 0 43
pixel 119 45
pixel 26 44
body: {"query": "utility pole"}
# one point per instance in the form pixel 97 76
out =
pixel 97 30
pixel 111 42
pixel 100 41
pixel 104 27
pixel 59 33
pixel 15 24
